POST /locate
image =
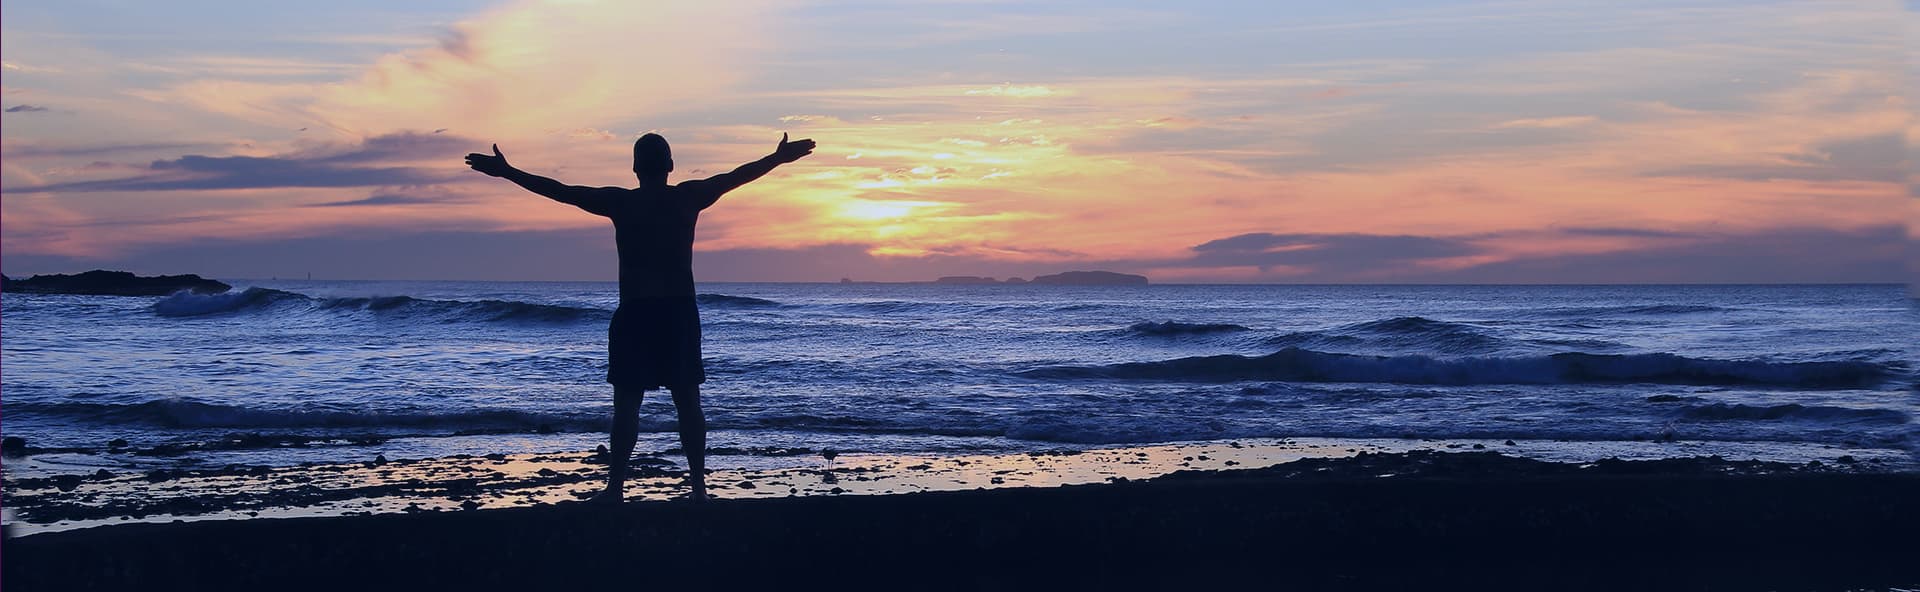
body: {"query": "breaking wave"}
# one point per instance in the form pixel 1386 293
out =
pixel 187 304
pixel 1301 365
pixel 1171 328
pixel 735 301
pixel 1726 412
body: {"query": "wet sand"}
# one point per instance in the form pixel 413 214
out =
pixel 1419 520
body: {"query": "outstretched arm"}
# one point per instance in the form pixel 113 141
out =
pixel 591 199
pixel 717 185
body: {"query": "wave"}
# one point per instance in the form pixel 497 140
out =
pixel 1644 309
pixel 1584 344
pixel 187 414
pixel 187 304
pixel 897 306
pixel 266 299
pixel 1300 365
pixel 732 301
pixel 1428 334
pixel 1726 412
pixel 483 310
pixel 1401 334
pixel 1172 328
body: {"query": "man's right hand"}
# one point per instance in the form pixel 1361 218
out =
pixel 495 165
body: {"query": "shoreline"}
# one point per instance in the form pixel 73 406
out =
pixel 1441 520
pixel 90 499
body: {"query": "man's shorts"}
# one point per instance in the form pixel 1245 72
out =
pixel 654 343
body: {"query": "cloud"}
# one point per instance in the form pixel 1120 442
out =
pixel 310 170
pixel 522 68
pixel 27 69
pixel 403 147
pixel 1624 232
pixel 1876 158
pixel 1547 122
pixel 1777 255
pixel 37 150
pixel 24 108
pixel 1019 92
pixel 1325 253
pixel 388 199
pixel 1770 255
pixel 589 133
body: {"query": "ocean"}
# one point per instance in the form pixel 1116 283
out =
pixel 280 373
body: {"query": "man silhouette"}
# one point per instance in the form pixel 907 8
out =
pixel 654 340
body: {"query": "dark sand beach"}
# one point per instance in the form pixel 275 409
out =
pixel 1419 520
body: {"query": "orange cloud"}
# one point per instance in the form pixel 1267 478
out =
pixel 517 70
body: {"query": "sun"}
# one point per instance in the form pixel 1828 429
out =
pixel 886 210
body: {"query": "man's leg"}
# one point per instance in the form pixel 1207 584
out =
pixel 693 436
pixel 626 429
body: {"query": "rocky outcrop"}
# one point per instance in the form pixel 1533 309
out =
pixel 965 280
pixel 1091 278
pixel 113 283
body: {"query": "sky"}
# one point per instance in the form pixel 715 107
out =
pixel 1282 142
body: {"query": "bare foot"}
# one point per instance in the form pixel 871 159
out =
pixel 608 497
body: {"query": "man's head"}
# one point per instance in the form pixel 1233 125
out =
pixel 651 156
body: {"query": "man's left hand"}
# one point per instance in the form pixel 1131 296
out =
pixel 496 165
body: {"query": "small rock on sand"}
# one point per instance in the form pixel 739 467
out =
pixel 13 446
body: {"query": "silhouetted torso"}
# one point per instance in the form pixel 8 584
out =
pixel 653 227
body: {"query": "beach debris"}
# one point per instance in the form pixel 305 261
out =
pixel 13 447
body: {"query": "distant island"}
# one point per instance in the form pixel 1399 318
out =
pixel 1071 278
pixel 101 282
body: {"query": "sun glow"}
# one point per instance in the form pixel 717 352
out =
pixel 887 210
